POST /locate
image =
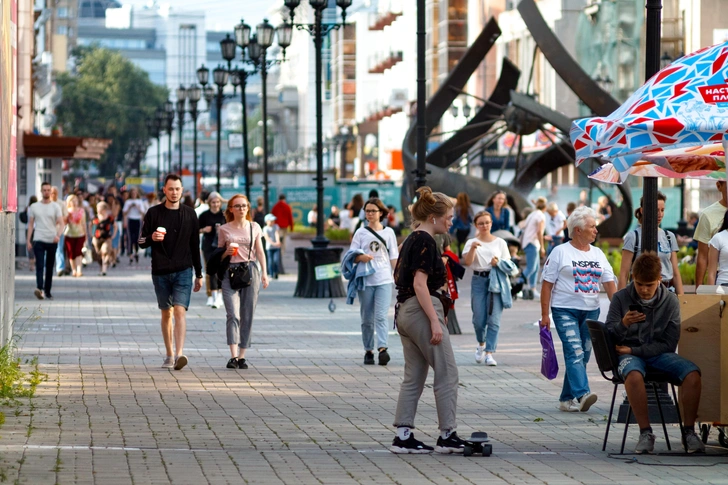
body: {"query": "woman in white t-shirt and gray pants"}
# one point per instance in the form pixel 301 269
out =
pixel 718 256
pixel 570 294
pixel 380 248
pixel 481 254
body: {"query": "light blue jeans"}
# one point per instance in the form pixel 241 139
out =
pixel 575 340
pixel 486 326
pixel 374 302
pixel 533 263
pixel 61 255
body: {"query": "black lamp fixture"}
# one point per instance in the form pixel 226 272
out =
pixel 242 34
pixel 665 60
pixel 318 30
pixel 227 49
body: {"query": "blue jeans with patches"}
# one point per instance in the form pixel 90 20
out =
pixel 574 334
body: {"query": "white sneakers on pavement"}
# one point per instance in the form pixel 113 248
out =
pixel 489 360
pixel 210 300
pixel 586 401
pixel 569 406
pixel 218 303
pixel 479 355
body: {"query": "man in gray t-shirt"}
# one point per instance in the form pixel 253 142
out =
pixel 45 226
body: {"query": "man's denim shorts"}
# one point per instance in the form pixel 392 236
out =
pixel 173 289
pixel 668 363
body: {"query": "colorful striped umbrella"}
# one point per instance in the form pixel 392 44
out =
pixel 673 126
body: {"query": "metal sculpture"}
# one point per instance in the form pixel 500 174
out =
pixel 509 111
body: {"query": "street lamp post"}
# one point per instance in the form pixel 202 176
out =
pixel 169 110
pixel 318 30
pixel 154 128
pixel 193 95
pixel 181 98
pixel 242 39
pixel 258 46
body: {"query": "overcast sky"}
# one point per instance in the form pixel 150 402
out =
pixel 220 14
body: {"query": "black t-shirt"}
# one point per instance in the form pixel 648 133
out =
pixel 209 219
pixel 419 252
pixel 259 216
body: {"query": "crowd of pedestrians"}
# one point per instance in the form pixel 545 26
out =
pixel 241 249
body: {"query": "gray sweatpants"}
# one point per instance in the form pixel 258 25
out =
pixel 419 356
pixel 240 307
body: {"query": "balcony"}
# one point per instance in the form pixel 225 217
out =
pixel 384 112
pixel 380 63
pixel 383 20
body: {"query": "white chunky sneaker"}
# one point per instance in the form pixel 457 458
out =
pixel 480 355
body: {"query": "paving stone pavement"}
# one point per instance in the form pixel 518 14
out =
pixel 306 411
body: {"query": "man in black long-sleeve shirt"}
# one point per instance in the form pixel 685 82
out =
pixel 172 231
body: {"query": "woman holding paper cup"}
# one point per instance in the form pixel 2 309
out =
pixel 242 238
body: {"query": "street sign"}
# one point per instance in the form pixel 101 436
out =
pixel 235 140
pixel 328 271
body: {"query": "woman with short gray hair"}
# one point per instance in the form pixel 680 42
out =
pixel 570 294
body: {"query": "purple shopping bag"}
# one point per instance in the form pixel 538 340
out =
pixel 549 364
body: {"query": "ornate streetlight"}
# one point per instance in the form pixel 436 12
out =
pixel 319 30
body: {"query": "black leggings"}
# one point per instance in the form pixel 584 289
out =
pixel 132 232
pixel 212 282
pixel 462 236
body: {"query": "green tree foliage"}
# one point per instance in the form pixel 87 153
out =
pixel 108 97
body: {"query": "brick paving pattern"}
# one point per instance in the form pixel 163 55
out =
pixel 306 411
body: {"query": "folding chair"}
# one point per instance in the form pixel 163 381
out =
pixel 604 351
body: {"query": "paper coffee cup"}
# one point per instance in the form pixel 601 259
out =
pixel 235 247
pixel 162 230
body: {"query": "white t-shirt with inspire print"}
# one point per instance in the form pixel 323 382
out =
pixel 576 276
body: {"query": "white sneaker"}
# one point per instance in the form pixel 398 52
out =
pixel 569 406
pixel 536 294
pixel 210 301
pixel 480 355
pixel 218 302
pixel 586 401
pixel 168 362
pixel 489 360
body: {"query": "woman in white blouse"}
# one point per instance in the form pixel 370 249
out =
pixel 481 254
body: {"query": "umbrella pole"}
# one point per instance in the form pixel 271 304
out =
pixel 653 19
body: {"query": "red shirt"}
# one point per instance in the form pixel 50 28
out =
pixel 284 215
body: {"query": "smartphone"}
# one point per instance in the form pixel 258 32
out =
pixel 635 308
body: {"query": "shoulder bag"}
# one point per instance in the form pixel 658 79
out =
pixel 377 236
pixel 240 275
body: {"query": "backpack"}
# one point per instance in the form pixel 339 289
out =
pixel 637 247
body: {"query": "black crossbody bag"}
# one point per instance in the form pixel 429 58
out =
pixel 240 275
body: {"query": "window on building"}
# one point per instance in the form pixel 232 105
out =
pixel 63 12
pixel 62 30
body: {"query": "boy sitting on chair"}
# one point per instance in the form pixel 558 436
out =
pixel 644 321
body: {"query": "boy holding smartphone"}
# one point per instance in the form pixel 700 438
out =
pixel 644 321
